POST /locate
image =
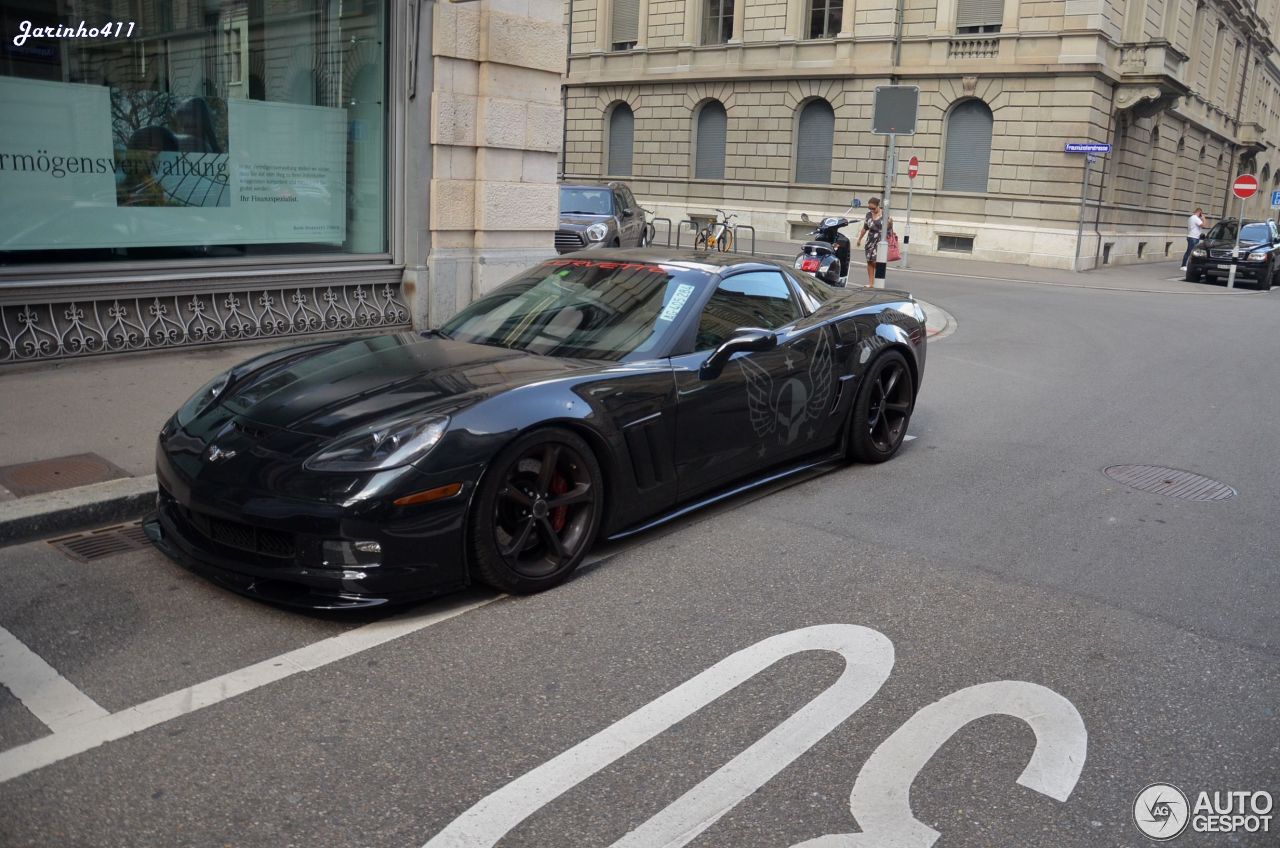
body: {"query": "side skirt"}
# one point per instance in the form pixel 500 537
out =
pixel 826 463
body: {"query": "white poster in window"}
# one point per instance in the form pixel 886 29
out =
pixel 85 166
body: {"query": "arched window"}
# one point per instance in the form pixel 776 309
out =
pixel 621 141
pixel 709 137
pixel 815 139
pixel 968 154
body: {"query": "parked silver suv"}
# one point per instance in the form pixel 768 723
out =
pixel 599 216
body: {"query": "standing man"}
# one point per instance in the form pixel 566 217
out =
pixel 1195 227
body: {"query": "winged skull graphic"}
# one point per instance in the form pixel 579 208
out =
pixel 794 404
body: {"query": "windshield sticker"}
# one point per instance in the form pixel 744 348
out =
pixel 673 307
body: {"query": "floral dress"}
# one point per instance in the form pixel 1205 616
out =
pixel 874 226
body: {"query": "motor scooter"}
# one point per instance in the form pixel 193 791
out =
pixel 827 254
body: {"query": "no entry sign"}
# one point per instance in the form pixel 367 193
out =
pixel 1246 185
pixel 913 167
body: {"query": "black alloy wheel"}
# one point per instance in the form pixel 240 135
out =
pixel 882 409
pixel 537 511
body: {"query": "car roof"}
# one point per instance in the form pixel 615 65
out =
pixel 702 260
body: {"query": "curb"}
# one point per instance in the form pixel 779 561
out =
pixel 70 510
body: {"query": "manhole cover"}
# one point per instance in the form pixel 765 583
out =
pixel 51 475
pixel 1171 482
pixel 100 544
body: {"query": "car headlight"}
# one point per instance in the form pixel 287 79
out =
pixel 1257 257
pixel 1199 253
pixel 377 447
pixel 597 232
pixel 203 399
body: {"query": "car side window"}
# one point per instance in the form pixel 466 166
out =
pixel 619 202
pixel 755 299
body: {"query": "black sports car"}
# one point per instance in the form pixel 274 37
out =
pixel 588 397
pixel 1257 263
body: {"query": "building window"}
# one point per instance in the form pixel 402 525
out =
pixel 625 30
pixel 717 22
pixel 824 18
pixel 815 134
pixel 968 153
pixel 978 16
pixel 196 141
pixel 621 140
pixel 708 163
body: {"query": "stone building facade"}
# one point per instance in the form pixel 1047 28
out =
pixel 225 170
pixel 1186 91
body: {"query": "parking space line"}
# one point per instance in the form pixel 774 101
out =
pixel 48 695
pixel 78 738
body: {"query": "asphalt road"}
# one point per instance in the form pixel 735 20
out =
pixel 1140 632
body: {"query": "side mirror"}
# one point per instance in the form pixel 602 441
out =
pixel 743 340
pixel 627 213
pixel 804 216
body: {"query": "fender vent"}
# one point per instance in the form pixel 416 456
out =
pixel 100 544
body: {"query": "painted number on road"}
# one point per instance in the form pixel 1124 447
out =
pixel 880 797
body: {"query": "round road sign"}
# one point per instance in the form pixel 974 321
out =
pixel 1246 185
pixel 913 167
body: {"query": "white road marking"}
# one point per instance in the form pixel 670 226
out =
pixel 868 659
pixel 77 739
pixel 48 695
pixel 881 796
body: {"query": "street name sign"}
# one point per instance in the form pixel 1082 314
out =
pixel 1246 185
pixel 1087 147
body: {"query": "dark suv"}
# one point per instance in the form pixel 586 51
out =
pixel 1259 253
pixel 599 216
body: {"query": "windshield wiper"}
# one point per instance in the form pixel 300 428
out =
pixel 437 332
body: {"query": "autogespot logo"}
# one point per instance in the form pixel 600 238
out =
pixel 1161 811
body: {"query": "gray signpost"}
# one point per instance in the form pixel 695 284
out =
pixel 894 114
pixel 1091 150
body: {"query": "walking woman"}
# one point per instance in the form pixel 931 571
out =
pixel 873 229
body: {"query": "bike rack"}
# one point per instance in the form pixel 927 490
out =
pixel 693 230
pixel 737 227
pixel 655 222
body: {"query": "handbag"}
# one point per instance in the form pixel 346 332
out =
pixel 895 252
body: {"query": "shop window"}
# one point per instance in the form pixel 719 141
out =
pixel 968 148
pixel 824 18
pixel 717 21
pixel 232 130
pixel 815 137
pixel 979 16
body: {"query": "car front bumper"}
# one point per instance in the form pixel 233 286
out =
pixel 282 549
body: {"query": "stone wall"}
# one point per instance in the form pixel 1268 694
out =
pixel 496 135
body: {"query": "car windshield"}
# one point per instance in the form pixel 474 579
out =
pixel 581 308
pixel 586 201
pixel 1226 231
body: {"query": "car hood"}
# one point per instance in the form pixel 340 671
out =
pixel 582 220
pixel 330 391
pixel 1225 244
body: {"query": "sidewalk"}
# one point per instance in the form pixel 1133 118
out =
pixel 1163 277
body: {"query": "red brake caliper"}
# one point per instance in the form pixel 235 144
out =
pixel 560 514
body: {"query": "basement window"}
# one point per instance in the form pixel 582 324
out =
pixel 957 244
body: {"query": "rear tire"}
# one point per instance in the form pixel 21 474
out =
pixel 881 411
pixel 650 233
pixel 537 512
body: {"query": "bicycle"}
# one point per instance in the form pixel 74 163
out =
pixel 650 231
pixel 716 234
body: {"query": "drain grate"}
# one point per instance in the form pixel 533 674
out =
pixel 63 472
pixel 100 544
pixel 1171 482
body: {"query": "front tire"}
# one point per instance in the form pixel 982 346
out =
pixel 1266 280
pixel 881 411
pixel 537 512
pixel 1191 277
